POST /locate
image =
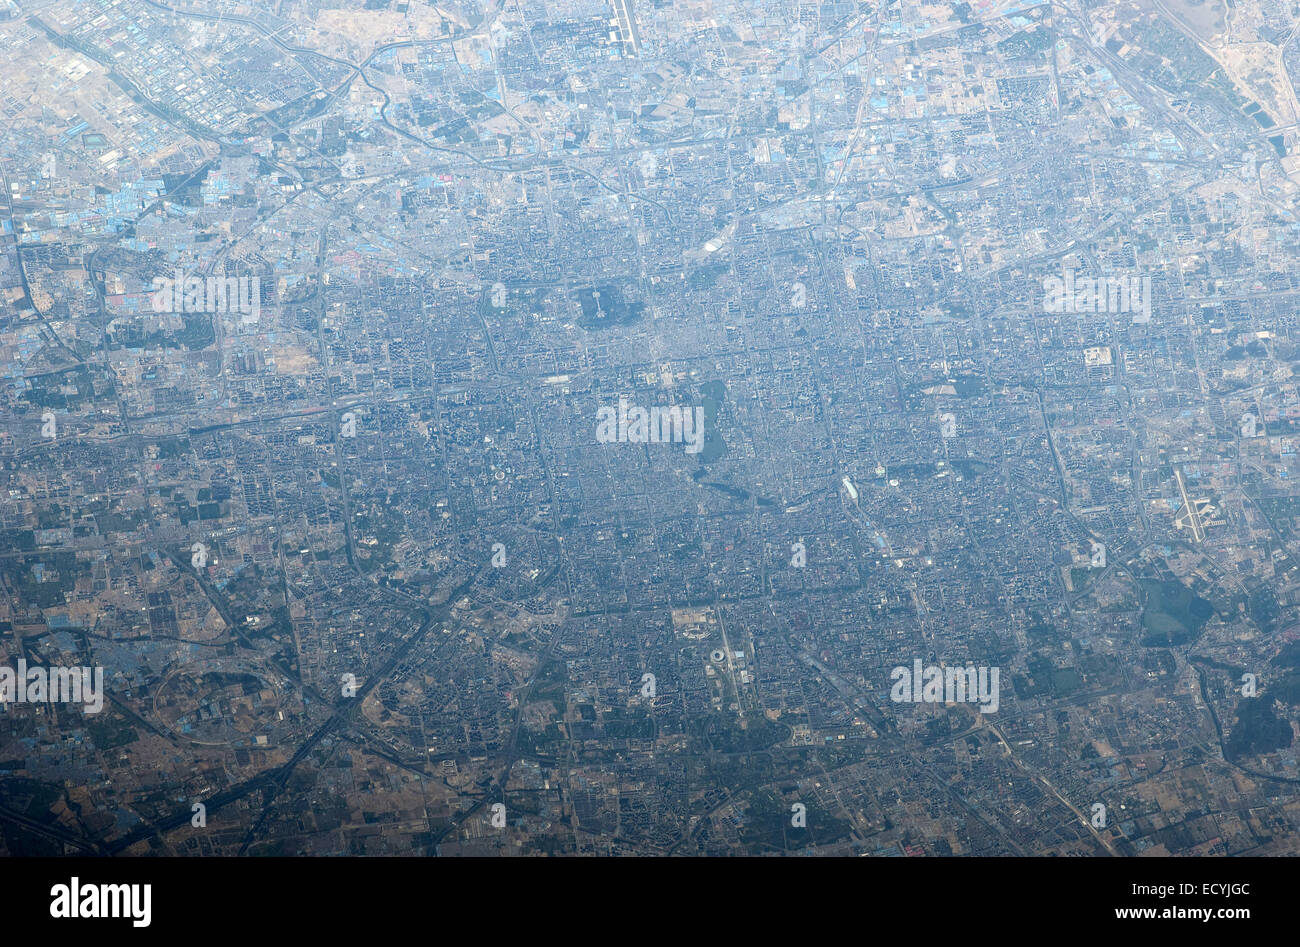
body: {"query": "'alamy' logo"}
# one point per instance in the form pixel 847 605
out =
pixel 62 685
pixel 241 294
pixel 655 425
pixel 78 900
pixel 1098 294
pixel 940 685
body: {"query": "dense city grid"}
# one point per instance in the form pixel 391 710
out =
pixel 655 427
